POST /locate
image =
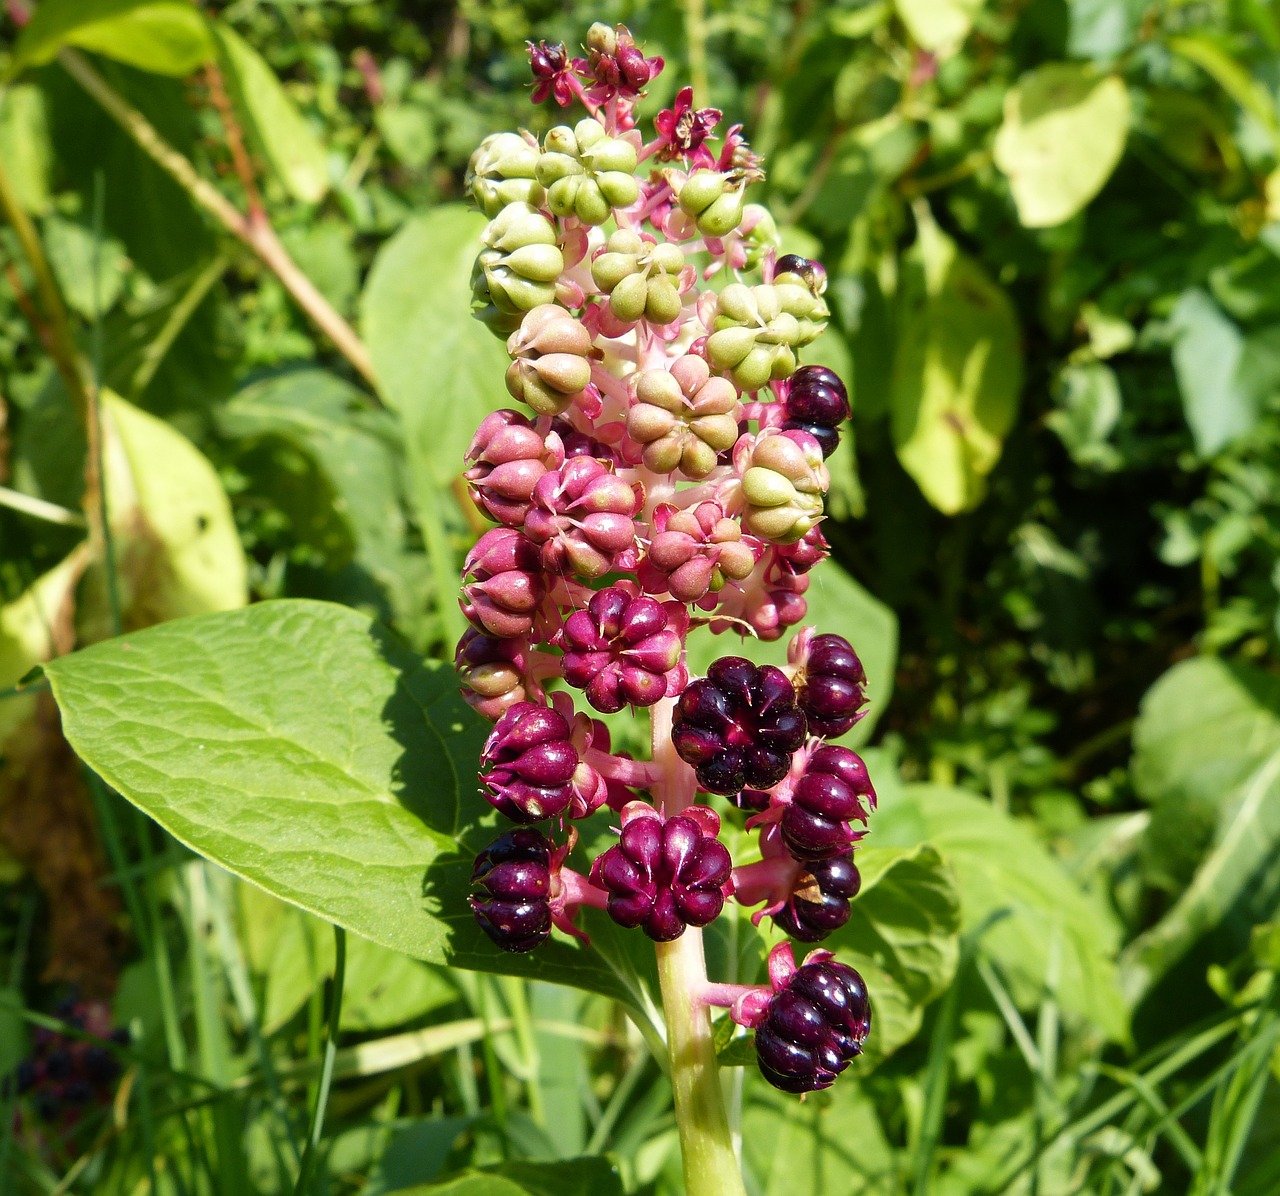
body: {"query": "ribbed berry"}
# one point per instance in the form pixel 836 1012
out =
pixel 817 403
pixel 738 726
pixel 834 686
pixel 820 901
pixel 513 879
pixel 813 1026
pixel 833 791
pixel 534 770
pixel 624 649
pixel 665 874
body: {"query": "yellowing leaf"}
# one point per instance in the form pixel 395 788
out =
pixel 939 26
pixel 956 373
pixel 1063 134
pixel 278 129
pixel 177 551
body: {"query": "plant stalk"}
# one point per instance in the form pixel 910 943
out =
pixel 706 1147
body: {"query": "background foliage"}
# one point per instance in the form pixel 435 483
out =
pixel 1052 230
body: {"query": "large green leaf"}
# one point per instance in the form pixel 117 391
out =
pixel 166 37
pixel 902 937
pixel 439 367
pixel 956 372
pixel 1208 738
pixel 564 1177
pixel 1040 919
pixel 838 604
pixel 25 148
pixel 277 128
pixel 301 747
pixel 1063 134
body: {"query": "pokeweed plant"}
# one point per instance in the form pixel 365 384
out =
pixel 671 476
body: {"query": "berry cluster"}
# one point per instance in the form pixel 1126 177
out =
pixel 65 1075
pixel 668 474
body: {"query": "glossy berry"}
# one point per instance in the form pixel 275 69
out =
pixel 665 874
pixel 738 726
pixel 817 403
pixel 833 791
pixel 834 688
pixel 820 901
pixel 813 1026
pixel 513 879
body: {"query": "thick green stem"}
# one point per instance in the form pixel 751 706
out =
pixel 706 1147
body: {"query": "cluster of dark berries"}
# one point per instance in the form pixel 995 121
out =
pixel 813 1026
pixel 513 876
pixel 66 1075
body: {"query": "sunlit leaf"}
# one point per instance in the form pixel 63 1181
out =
pixel 939 26
pixel 1063 134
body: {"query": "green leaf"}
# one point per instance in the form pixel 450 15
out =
pixel 302 748
pixel 1219 396
pixel 956 373
pixel 1208 734
pixel 1250 93
pixel 277 128
pixel 1088 409
pixel 439 367
pixel 1003 873
pixel 939 26
pixel 837 604
pixel 564 1177
pixel 902 937
pixel 90 268
pixel 1063 134
pixel 25 148
pixel 165 37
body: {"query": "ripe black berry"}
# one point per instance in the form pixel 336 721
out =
pixel 738 726
pixel 834 790
pixel 513 876
pixel 834 686
pixel 813 1026
pixel 817 403
pixel 664 875
pixel 820 902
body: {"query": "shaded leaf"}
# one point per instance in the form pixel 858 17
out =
pixel 163 36
pixel 1004 874
pixel 302 748
pixel 90 268
pixel 564 1177
pixel 956 372
pixel 1063 134
pixel 278 130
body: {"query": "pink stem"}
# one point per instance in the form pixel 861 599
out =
pixel 725 996
pixel 637 774
pixel 765 879
pixel 577 890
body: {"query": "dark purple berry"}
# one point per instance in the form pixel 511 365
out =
pixel 817 403
pixel 812 274
pixel 834 687
pixel 820 901
pixel 513 879
pixel 834 791
pixel 738 726
pixel 665 874
pixel 814 1025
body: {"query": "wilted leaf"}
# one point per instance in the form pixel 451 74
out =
pixel 1063 134
pixel 163 36
pixel 272 119
pixel 956 373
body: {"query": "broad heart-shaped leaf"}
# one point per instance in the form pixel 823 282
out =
pixel 439 367
pixel 1003 873
pixel 177 550
pixel 166 37
pixel 956 372
pixel 1208 736
pixel 837 604
pixel 1063 134
pixel 277 127
pixel 902 937
pixel 1220 395
pixel 939 26
pixel 304 749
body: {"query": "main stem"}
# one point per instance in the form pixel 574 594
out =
pixel 706 1148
